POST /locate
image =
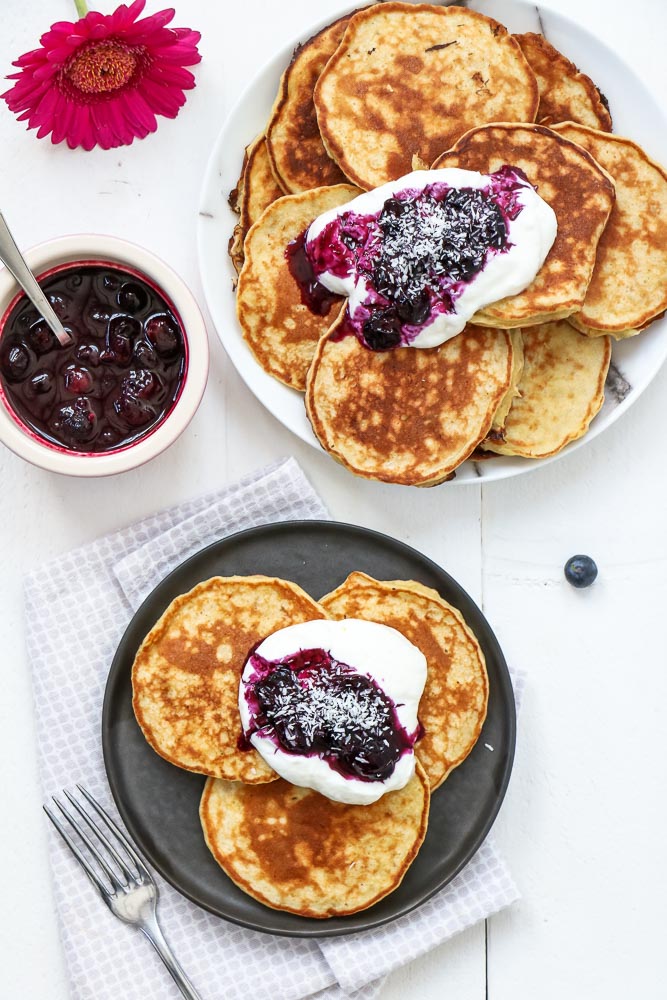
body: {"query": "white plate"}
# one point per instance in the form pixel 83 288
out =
pixel 635 113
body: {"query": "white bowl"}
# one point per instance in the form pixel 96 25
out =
pixel 91 249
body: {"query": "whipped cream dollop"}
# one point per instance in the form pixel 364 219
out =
pixel 332 705
pixel 419 256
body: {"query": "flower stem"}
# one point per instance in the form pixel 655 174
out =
pixel 81 7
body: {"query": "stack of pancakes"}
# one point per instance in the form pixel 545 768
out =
pixel 396 87
pixel 290 847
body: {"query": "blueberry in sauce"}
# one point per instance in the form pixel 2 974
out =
pixel 41 383
pixel 76 422
pixel 163 335
pixel 141 383
pixel 413 309
pixel 313 294
pixel 15 361
pixel 312 704
pixel 89 354
pixel 121 333
pixel 59 305
pixel 111 282
pixel 96 315
pixel 382 329
pixel 145 354
pixel 129 411
pixel 77 380
pixel 41 338
pixel 117 378
pixel 132 297
pixel 581 571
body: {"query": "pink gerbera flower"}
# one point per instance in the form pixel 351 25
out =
pixel 103 79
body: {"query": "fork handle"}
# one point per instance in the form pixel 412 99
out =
pixel 157 939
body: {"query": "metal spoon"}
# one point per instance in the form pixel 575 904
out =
pixel 12 258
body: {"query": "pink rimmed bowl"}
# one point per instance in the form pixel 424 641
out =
pixel 87 250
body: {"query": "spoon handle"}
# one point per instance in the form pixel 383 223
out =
pixel 11 257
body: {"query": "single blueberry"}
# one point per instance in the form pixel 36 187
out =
pixel 145 354
pixel 132 297
pixel 40 338
pixel 59 304
pixel 111 282
pixel 77 421
pixel 382 330
pixel 121 333
pixel 580 571
pixel 108 437
pixel 414 309
pixel 96 314
pixel 395 208
pixel 26 318
pixel 41 383
pixel 77 380
pixel 132 412
pixel 141 383
pixel 163 334
pixel 89 353
pixel 15 362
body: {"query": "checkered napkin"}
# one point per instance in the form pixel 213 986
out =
pixel 77 608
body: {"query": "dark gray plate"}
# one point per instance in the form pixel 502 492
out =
pixel 159 802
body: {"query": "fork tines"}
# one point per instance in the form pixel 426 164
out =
pixel 114 854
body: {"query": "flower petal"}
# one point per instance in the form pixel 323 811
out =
pixel 123 133
pixel 176 54
pixel 169 75
pixel 164 100
pixel 62 119
pixel 141 110
pixel 150 24
pixel 79 127
pixel 104 134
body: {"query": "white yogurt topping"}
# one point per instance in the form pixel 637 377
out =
pixel 376 651
pixel 531 236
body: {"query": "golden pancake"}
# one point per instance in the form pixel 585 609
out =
pixel 256 189
pixel 281 331
pixel 408 415
pixel 298 157
pixel 500 415
pixel 580 193
pixel 185 677
pixel 560 391
pixel 453 706
pixel 293 849
pixel 628 289
pixel 408 79
pixel 566 94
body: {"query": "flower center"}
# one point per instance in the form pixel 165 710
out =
pixel 103 66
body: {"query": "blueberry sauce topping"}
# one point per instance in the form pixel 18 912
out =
pixel 417 254
pixel 116 379
pixel 314 295
pixel 312 704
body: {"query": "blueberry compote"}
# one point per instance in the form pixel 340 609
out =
pixel 415 256
pixel 116 379
pixel 313 294
pixel 311 704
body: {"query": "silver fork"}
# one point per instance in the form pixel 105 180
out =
pixel 130 892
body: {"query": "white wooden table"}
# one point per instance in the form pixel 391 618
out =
pixel 583 822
